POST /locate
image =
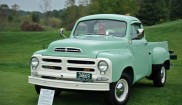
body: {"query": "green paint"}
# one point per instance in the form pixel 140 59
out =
pixel 122 51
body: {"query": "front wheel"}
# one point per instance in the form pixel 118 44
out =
pixel 119 91
pixel 159 78
pixel 38 88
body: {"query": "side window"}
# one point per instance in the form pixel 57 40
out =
pixel 134 30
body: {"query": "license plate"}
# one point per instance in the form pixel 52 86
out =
pixel 81 76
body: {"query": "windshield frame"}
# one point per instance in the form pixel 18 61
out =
pixel 125 31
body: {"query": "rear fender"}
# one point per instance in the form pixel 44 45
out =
pixel 159 55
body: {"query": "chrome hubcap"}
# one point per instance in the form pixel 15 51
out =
pixel 163 74
pixel 121 90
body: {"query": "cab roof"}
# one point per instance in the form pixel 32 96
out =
pixel 110 16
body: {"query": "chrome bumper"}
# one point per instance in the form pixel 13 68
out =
pixel 75 85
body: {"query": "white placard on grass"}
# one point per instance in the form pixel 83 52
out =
pixel 46 97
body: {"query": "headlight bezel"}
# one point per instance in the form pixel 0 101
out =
pixel 103 63
pixel 34 62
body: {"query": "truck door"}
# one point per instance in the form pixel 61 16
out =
pixel 140 52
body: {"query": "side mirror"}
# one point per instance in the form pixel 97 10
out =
pixel 140 34
pixel 62 32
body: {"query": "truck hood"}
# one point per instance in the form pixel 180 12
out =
pixel 88 47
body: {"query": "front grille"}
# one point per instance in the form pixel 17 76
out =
pixel 52 60
pixel 51 67
pixel 62 64
pixel 81 62
pixel 80 69
pixel 77 50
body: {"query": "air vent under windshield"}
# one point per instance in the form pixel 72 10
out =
pixel 67 50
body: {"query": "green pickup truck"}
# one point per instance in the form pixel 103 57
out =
pixel 105 52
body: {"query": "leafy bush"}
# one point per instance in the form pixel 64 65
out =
pixel 35 18
pixel 54 22
pixel 30 26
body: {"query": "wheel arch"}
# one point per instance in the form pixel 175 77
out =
pixel 129 71
pixel 167 64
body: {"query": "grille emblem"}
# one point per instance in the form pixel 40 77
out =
pixel 77 50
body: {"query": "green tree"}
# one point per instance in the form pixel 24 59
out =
pixel 10 18
pixel 153 11
pixel 3 12
pixel 56 13
pixel 70 14
pixel 3 15
pixel 87 7
pixel 114 6
pixel 176 9
pixel 15 9
pixel 35 18
pixel 4 6
pixel 45 6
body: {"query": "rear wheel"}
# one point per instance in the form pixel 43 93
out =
pixel 159 77
pixel 119 91
pixel 38 88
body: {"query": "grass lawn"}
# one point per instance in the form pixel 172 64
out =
pixel 16 49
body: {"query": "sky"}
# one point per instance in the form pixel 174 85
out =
pixel 33 5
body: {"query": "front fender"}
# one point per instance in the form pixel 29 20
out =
pixel 39 52
pixel 120 60
pixel 159 55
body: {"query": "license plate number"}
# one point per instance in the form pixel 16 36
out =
pixel 81 76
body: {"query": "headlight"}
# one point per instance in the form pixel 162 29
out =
pixel 34 62
pixel 102 66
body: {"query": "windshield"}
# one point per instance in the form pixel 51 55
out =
pixel 101 27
